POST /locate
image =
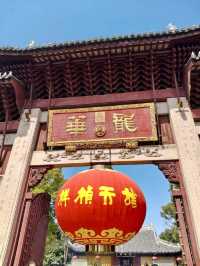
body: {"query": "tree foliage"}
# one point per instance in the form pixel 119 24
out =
pixel 54 253
pixel 170 234
pixel 51 183
pixel 168 212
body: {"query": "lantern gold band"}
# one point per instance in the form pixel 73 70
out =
pixel 111 236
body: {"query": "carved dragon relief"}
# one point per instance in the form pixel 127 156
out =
pixel 96 155
pixel 99 155
pixel 57 157
pixel 132 153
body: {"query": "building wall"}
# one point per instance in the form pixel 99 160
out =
pixel 92 261
pixel 166 261
pixel 80 261
pixel 102 261
pixel 161 261
pixel 146 260
pixel 106 261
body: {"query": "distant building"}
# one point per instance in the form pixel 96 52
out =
pixel 145 249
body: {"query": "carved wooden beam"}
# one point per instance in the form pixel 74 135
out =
pixel 31 241
pixel 36 175
pixel 193 61
pixel 8 80
pixel 170 169
pixel 120 98
pixel 11 127
pixel 19 89
pixel 4 88
pixel 183 232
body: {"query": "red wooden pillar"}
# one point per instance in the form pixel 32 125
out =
pixel 171 170
pixel 33 230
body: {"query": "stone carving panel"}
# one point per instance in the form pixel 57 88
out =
pixel 132 153
pixel 86 157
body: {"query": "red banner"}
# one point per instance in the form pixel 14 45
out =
pixel 102 126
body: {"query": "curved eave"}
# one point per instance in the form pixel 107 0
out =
pixel 161 38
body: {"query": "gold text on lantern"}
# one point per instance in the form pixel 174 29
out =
pixel 107 193
pixel 64 197
pixel 85 195
pixel 130 197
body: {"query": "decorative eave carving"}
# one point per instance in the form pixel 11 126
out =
pixel 18 87
pixel 193 64
pixel 170 170
pixel 36 175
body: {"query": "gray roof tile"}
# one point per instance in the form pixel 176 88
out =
pixel 147 242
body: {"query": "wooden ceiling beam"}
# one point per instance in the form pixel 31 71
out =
pixel 118 98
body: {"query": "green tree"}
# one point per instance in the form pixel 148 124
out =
pixel 51 183
pixel 168 212
pixel 54 253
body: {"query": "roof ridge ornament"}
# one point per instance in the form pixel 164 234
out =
pixel 31 44
pixel 194 56
pixel 172 28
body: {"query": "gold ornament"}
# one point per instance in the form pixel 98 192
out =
pixel 100 131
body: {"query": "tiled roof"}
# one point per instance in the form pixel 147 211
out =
pixel 77 248
pixel 147 242
pixel 71 44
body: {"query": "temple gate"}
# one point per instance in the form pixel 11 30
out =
pixel 159 70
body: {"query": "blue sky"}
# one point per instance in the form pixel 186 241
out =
pixel 48 21
pixel 153 184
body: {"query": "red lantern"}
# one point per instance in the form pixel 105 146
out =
pixel 100 206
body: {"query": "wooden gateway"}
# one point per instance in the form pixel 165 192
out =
pixel 131 99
